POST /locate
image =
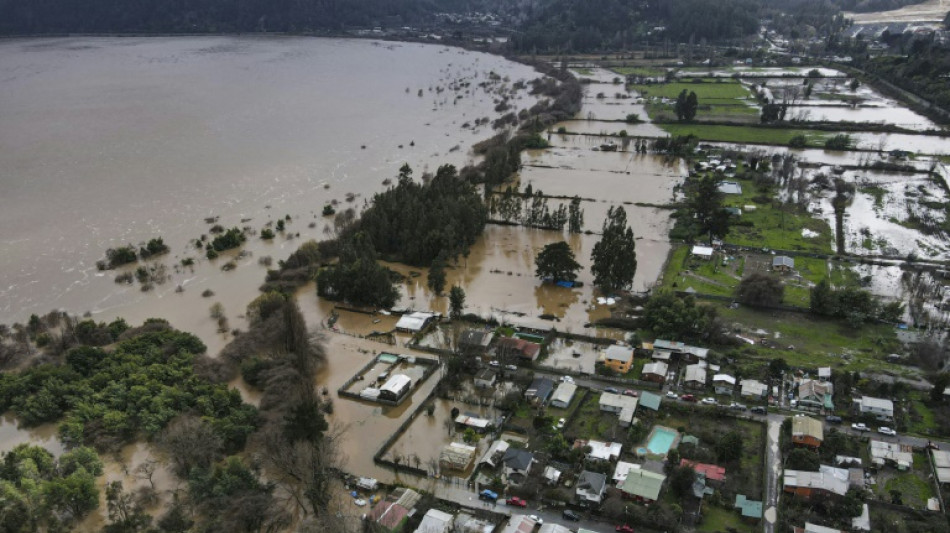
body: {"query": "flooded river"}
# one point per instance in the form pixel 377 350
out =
pixel 108 141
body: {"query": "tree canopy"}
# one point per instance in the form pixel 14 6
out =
pixel 615 254
pixel 556 261
pixel 674 317
pixel 358 278
pixel 760 289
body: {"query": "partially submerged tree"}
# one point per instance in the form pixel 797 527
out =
pixel 615 255
pixel 556 261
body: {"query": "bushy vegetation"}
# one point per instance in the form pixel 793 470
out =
pixel 856 305
pixel 358 278
pixel 39 492
pixel 415 223
pixel 670 316
pixel 107 398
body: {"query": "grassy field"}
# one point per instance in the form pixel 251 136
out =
pixel 733 112
pixel 746 134
pixel 716 519
pixel 810 342
pixel 640 71
pixel 914 486
pixel 708 92
pixel 592 423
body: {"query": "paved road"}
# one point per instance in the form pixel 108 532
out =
pixel 549 516
pixel 773 472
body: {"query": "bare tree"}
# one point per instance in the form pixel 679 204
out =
pixel 190 442
pixel 304 469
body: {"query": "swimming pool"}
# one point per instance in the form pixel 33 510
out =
pixel 661 440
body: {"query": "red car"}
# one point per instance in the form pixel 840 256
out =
pixel 688 398
pixel 516 501
pixel 629 392
pixel 624 529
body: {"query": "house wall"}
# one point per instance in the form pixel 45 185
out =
pixel 806 440
pixel 621 367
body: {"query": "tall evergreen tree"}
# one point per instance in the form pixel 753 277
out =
pixel 456 302
pixel 615 255
pixel 680 106
pixel 691 106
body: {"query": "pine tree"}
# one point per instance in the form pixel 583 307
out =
pixel 615 256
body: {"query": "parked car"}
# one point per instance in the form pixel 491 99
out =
pixel 571 515
pixel 629 392
pixel 494 363
pixel 624 529
pixel 611 390
pixel 832 419
pixel 737 406
pixel 537 519
pixel 759 410
pixel 516 501
pixel 359 502
pixel 884 430
pixel 671 395
pixel 560 423
pixel 710 401
pixel 488 495
pixel 688 398
pixel 511 367
pixel 567 379
pixel 859 426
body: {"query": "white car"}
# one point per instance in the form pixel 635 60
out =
pixel 359 502
pixel 567 379
pixel 671 395
pixel 511 367
pixel 884 430
pixel 494 363
pixel 560 423
pixel 537 519
pixel 710 401
pixel 859 426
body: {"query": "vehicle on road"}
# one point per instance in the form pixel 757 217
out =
pixel 516 501
pixel 511 367
pixel 571 515
pixel 884 430
pixel 567 379
pixel 611 390
pixel 488 495
pixel 759 410
pixel 359 502
pixel 832 419
pixel 624 529
pixel 537 519
pixel 560 423
pixel 710 401
pixel 688 398
pixel 859 426
pixel 629 392
pixel 671 395
pixel 737 406
pixel 494 363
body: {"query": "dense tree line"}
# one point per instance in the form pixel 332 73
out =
pixel 39 492
pixel 852 303
pixel 414 223
pixel 107 398
pixel 358 278
pixel 922 71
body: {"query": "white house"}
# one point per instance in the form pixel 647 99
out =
pixel 435 521
pixel 563 395
pixel 603 451
pixel 724 383
pixel 414 322
pixel 621 471
pixel 695 376
pixel 751 388
pixel 395 388
pixel 882 409
pixel 702 252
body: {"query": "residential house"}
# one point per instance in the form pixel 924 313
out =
pixel 783 263
pixel 655 372
pixel 517 463
pixel 485 379
pixel 620 472
pixel 396 388
pixel 702 252
pixel 816 395
pixel 650 401
pixel 457 456
pixel 807 431
pixel 724 384
pixel 880 408
pixel 941 459
pixel 750 510
pixel 599 450
pixel 539 391
pixel 714 474
pixel 435 521
pixel 624 406
pixel 827 482
pixel 495 453
pixel 590 488
pixel 752 388
pixel 563 395
pixel 512 346
pixel 824 373
pixel 661 355
pixel 414 322
pixel 618 358
pixel 551 475
pixel 470 421
pixel 685 352
pixel 695 377
pixel 642 485
pixel 893 454
pixel 475 341
pixel 518 523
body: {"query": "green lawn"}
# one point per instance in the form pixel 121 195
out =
pixel 817 341
pixel 914 487
pixel 717 519
pixel 732 112
pixel 746 134
pixel 709 92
